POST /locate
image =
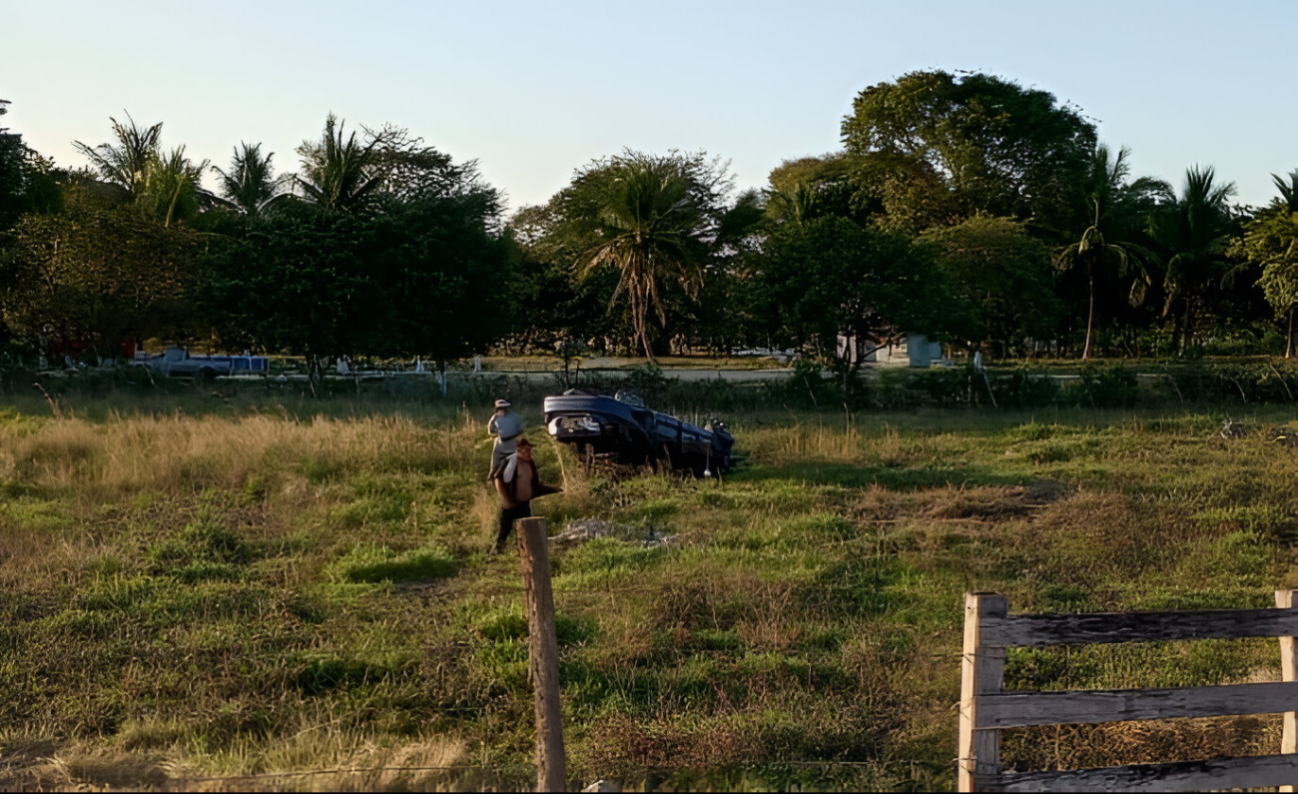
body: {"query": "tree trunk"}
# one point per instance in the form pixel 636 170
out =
pixel 1288 350
pixel 1177 328
pixel 1090 319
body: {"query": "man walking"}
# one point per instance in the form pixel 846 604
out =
pixel 518 483
pixel 507 427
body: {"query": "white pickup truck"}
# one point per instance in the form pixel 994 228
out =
pixel 177 361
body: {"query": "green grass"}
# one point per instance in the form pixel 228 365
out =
pixel 242 588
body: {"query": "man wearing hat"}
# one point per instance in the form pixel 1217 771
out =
pixel 507 427
pixel 518 483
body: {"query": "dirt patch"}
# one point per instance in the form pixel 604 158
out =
pixel 992 503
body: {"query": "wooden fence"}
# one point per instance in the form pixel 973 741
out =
pixel 986 708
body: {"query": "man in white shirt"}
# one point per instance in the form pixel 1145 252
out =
pixel 507 427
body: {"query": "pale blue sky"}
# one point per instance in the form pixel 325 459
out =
pixel 534 90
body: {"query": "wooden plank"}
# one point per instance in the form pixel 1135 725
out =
pixel 1019 709
pixel 543 655
pixel 1284 599
pixel 982 673
pixel 1224 773
pixel 1110 627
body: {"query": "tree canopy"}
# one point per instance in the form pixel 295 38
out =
pixel 932 148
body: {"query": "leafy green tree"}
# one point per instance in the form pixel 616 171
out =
pixel 931 148
pixel 1117 210
pixel 424 272
pixel 558 311
pixel 998 282
pixel 810 187
pixel 832 277
pixel 446 275
pixel 28 182
pixel 1271 241
pixel 96 276
pixel 251 183
pixel 295 282
pixel 1194 230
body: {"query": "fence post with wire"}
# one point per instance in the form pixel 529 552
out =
pixel 986 708
pixel 543 654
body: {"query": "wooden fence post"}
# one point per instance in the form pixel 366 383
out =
pixel 543 655
pixel 982 672
pixel 1284 599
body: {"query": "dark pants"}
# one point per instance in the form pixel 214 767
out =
pixel 508 515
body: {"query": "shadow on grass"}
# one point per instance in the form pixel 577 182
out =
pixel 847 475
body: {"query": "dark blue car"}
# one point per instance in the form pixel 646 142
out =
pixel 623 430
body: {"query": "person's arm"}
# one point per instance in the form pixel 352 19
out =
pixel 538 489
pixel 492 427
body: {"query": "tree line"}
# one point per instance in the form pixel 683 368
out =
pixel 961 206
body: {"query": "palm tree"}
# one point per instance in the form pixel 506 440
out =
pixel 1117 209
pixel 125 163
pixel 1194 230
pixel 338 171
pixel 1271 239
pixel 250 184
pixel 798 205
pixel 171 186
pixel 648 224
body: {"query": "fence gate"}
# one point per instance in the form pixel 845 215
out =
pixel 986 708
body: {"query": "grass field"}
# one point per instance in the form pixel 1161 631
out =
pixel 245 589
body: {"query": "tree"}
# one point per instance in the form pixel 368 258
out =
pixel 96 277
pixel 28 182
pixel 338 171
pixel 810 187
pixel 931 148
pixel 445 275
pixel 648 218
pixel 1271 241
pixel 557 310
pixel 163 186
pixel 832 277
pixel 295 282
pixel 425 276
pixel 172 187
pixel 1117 210
pixel 127 162
pixel 998 283
pixel 1194 231
pixel 251 184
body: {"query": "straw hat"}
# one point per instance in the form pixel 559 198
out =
pixel 502 404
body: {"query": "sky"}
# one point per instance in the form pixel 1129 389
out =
pixel 534 90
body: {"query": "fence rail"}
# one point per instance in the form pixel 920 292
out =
pixel 986 708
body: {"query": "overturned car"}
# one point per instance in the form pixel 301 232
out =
pixel 620 429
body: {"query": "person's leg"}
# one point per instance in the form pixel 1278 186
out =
pixel 508 515
pixel 506 524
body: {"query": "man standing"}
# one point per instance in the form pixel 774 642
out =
pixel 518 483
pixel 507 427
